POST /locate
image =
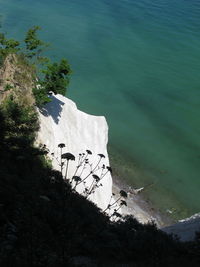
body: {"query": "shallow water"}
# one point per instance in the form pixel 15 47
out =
pixel 137 62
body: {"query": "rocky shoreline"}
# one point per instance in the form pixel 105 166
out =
pixel 139 207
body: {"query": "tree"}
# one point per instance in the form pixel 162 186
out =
pixel 56 77
pixel 8 46
pixel 41 96
pixel 12 45
pixel 33 44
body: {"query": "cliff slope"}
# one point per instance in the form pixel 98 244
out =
pixel 16 78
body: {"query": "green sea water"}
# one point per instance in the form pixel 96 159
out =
pixel 138 63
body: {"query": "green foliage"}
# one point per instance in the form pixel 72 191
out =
pixel 56 77
pixel 8 46
pixel 41 96
pixel 12 45
pixel 33 44
pixel 7 87
pixel 31 40
pixel 21 122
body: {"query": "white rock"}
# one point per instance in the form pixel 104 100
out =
pixel 62 122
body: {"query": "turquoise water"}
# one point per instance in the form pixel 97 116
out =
pixel 137 62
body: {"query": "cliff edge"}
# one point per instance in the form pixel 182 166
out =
pixel 62 122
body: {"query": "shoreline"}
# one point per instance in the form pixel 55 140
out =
pixel 139 207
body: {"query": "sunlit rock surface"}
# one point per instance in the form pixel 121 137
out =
pixel 62 122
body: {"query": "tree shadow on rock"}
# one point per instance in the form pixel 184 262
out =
pixel 53 109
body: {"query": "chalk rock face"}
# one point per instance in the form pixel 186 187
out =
pixel 62 122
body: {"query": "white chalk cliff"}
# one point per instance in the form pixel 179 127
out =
pixel 62 122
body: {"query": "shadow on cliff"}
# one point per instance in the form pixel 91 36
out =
pixel 53 109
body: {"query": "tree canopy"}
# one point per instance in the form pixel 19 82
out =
pixel 49 76
pixel 56 77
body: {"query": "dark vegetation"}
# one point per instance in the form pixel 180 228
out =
pixel 90 181
pixel 45 223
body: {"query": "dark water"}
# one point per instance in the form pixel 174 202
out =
pixel 137 62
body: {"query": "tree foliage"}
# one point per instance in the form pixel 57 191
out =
pixel 34 45
pixel 51 77
pixel 8 46
pixel 32 42
pixel 41 96
pixel 56 77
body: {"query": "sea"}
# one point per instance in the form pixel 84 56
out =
pixel 136 62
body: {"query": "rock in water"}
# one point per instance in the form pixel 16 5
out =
pixel 62 123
